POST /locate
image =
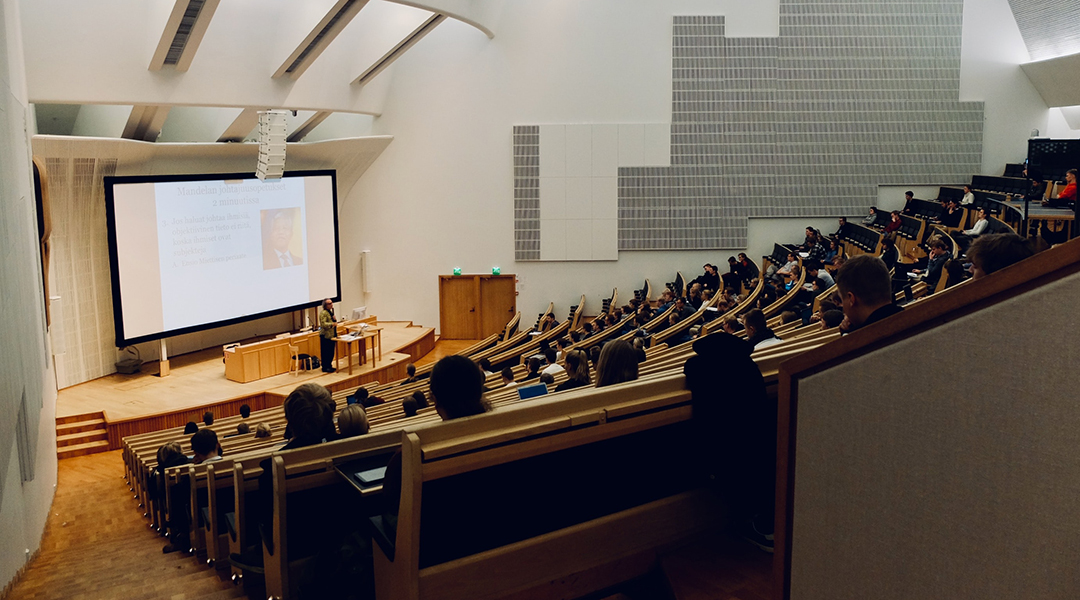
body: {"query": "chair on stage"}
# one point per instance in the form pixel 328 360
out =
pixel 294 357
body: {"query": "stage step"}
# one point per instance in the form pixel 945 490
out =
pixel 77 435
pixel 82 449
pixel 74 439
pixel 78 418
pixel 80 426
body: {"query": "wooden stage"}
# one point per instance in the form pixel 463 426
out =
pixel 145 402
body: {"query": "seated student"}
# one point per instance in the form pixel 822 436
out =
pixel 241 429
pixel 813 269
pixel 785 271
pixel 815 250
pixel 788 316
pixel 421 398
pixel 964 238
pixel 548 323
pixel 534 369
pixel 245 411
pixel 618 363
pixel 594 355
pixel 732 278
pixel 262 430
pixel 1067 197
pixel 639 348
pixel 870 218
pixel 360 396
pixel 553 367
pixel 1037 191
pixel 909 197
pixel 408 405
pixel 665 300
pixel 179 524
pixel 956 271
pixel 748 271
pixel 811 234
pixel 757 330
pixel 508 377
pixel 371 401
pixel 547 378
pixel 939 254
pixel 969 196
pixel 890 254
pixel 410 370
pixel 841 229
pixel 732 325
pixel 208 418
pixel 866 292
pixel 832 318
pixel 894 223
pixel 681 309
pixel 832 250
pixel 205 446
pixel 191 427
pixel 994 252
pixel 709 280
pixel 309 414
pixel 485 366
pixel 695 299
pixel 577 368
pixel 562 344
pixel 352 420
pixel 952 215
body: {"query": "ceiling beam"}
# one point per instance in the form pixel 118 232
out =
pixel 145 121
pixel 403 46
pixel 312 122
pixel 242 125
pixel 183 33
pixel 320 37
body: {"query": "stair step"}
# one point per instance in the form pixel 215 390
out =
pixel 80 426
pixel 77 418
pixel 83 449
pixel 74 439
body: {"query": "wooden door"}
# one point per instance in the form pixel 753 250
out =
pixel 498 303
pixel 458 305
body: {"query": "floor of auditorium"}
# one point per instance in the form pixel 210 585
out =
pixel 104 549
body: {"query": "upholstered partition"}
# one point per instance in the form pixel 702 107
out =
pixel 938 455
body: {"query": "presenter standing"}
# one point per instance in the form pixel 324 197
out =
pixel 327 333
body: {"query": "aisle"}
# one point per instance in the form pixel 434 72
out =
pixel 98 545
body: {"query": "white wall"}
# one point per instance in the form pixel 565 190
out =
pixel 24 366
pixel 990 71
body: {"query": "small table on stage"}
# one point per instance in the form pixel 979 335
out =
pixel 360 337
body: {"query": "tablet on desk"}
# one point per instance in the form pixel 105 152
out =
pixel 370 476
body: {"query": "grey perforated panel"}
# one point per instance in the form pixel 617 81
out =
pixel 1050 28
pixel 527 192
pixel 851 95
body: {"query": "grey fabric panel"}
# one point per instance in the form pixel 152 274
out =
pixel 850 96
pixel 527 192
pixel 946 465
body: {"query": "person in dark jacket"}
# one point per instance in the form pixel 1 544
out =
pixel 737 429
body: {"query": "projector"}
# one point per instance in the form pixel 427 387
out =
pixel 272 131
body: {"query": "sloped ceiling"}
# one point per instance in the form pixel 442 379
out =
pixel 1050 28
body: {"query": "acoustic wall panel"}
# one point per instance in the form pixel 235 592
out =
pixel 850 96
pixel 1050 28
pixel 527 193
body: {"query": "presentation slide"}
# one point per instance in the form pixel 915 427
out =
pixel 197 253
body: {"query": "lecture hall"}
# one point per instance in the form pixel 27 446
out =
pixel 521 300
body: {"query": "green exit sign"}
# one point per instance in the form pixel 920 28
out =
pixel 457 270
pixel 496 270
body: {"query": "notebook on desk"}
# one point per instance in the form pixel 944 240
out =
pixel 370 476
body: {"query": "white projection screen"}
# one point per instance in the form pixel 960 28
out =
pixel 192 252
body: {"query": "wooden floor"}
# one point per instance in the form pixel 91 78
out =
pixel 98 545
pixel 445 348
pixel 198 379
